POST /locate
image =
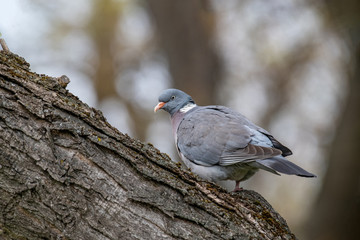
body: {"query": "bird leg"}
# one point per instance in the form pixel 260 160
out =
pixel 237 188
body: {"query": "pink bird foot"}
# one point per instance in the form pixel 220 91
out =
pixel 237 188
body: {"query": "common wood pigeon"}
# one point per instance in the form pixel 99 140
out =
pixel 218 143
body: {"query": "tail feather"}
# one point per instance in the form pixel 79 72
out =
pixel 282 165
pixel 256 164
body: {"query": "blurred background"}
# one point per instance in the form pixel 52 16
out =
pixel 292 67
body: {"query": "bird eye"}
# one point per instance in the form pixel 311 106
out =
pixel 172 97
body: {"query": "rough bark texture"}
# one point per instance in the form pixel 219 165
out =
pixel 65 173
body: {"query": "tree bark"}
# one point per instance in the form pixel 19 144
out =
pixel 65 173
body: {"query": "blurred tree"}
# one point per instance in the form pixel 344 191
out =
pixel 336 214
pixel 280 80
pixel 186 29
pixel 102 28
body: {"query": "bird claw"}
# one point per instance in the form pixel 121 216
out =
pixel 237 189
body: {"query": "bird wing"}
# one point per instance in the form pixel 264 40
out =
pixel 285 151
pixel 216 135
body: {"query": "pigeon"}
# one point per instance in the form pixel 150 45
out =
pixel 218 143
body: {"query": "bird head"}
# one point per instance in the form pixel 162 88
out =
pixel 172 100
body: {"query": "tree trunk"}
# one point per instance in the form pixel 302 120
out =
pixel 186 31
pixel 336 213
pixel 65 173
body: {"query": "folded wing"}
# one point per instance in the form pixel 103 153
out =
pixel 217 136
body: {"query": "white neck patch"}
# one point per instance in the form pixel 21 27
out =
pixel 187 107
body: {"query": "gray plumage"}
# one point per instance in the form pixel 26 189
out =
pixel 218 143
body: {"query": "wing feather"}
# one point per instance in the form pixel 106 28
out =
pixel 217 135
pixel 248 154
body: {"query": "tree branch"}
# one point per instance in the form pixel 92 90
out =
pixel 65 173
pixel 4 45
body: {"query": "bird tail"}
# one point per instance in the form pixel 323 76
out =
pixel 280 164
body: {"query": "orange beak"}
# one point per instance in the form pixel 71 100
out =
pixel 159 106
